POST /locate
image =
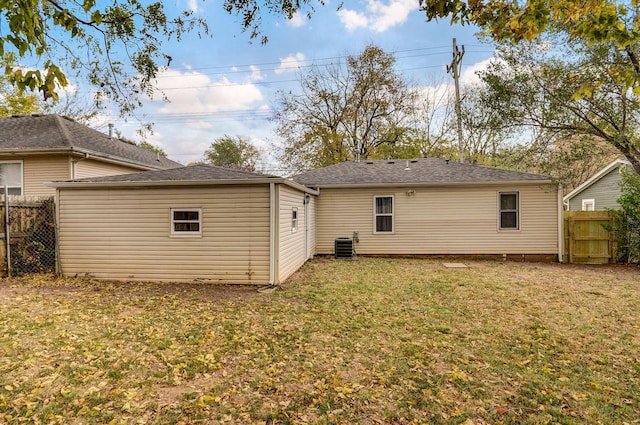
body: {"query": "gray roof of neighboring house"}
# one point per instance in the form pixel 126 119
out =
pixel 195 173
pixel 38 133
pixel 414 171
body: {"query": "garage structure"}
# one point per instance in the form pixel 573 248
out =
pixel 198 223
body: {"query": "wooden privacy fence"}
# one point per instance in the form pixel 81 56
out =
pixel 586 238
pixel 32 236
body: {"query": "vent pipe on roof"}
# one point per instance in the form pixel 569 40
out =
pixel 110 130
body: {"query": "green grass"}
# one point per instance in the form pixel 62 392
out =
pixel 368 341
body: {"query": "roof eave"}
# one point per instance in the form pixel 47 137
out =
pixel 177 183
pixel 432 184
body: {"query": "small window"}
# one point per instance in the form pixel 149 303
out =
pixel 509 211
pixel 186 222
pixel 588 205
pixel 11 176
pixel 383 214
pixel 294 219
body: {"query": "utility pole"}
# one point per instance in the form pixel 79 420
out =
pixel 454 69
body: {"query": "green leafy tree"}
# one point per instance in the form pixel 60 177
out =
pixel 537 88
pixel 153 148
pixel 12 100
pixel 626 225
pixel 89 36
pixel 344 112
pixel 233 152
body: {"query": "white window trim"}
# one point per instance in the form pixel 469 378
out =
pixel 586 202
pixel 393 214
pixel 294 219
pixel 21 176
pixel 509 229
pixel 189 234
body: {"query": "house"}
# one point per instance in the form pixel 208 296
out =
pixel 433 206
pixel 199 223
pixel 600 192
pixel 35 149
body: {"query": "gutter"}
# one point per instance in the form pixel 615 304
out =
pixel 74 151
pixel 80 184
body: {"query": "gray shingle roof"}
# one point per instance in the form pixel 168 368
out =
pixel 41 132
pixel 415 171
pixel 196 173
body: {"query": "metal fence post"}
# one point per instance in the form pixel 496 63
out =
pixel 6 229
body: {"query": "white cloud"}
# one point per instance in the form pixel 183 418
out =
pixel 298 20
pixel 291 63
pixel 193 6
pixel 379 15
pixel 195 93
pixel 352 20
pixel 469 76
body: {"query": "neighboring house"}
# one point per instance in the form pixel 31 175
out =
pixel 433 206
pixel 199 223
pixel 35 149
pixel 600 192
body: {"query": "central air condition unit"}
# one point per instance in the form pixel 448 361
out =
pixel 344 248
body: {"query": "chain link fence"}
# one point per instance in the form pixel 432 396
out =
pixel 28 224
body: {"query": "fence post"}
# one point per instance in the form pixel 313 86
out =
pixel 6 229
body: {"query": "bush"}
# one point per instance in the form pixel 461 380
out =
pixel 626 221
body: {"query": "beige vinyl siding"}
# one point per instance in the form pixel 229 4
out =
pixel 124 234
pixel 38 170
pixel 291 245
pixel 311 222
pixel 451 220
pixel 86 168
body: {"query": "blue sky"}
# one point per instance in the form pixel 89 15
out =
pixel 226 84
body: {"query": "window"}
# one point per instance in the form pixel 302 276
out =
pixel 294 219
pixel 588 205
pixel 11 175
pixel 509 206
pixel 186 222
pixel 383 214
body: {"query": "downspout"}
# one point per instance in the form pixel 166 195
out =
pixel 560 225
pixel 74 162
pixel 272 233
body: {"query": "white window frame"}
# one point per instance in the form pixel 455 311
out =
pixel 294 219
pixel 21 187
pixel 517 211
pixel 376 215
pixel 188 233
pixel 587 202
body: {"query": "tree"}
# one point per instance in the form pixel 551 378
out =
pixel 233 152
pixel 344 111
pixel 153 148
pixel 626 221
pixel 116 44
pixel 610 22
pixel 546 87
pixel 12 100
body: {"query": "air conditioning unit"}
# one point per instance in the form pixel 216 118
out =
pixel 344 248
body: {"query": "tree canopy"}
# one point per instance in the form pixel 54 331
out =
pixel 547 86
pixel 612 22
pixel 344 111
pixel 115 44
pixel 233 152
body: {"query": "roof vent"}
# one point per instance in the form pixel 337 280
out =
pixel 391 162
pixel 414 161
pixel 369 162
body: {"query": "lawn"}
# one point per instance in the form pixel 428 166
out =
pixel 370 341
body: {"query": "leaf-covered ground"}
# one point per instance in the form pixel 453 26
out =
pixel 370 341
